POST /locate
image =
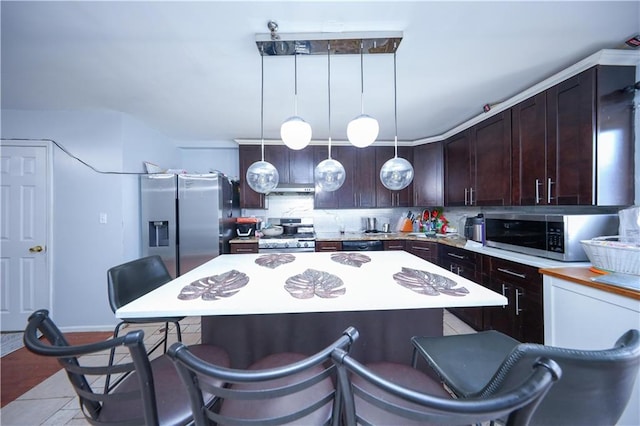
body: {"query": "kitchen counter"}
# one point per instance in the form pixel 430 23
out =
pixel 583 276
pixel 451 239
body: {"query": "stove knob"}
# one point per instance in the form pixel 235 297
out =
pixel 305 245
pixel 298 244
pixel 286 245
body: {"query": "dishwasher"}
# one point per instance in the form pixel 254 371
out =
pixel 362 246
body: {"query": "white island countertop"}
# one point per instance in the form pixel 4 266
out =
pixel 256 289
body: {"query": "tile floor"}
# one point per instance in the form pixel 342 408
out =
pixel 53 402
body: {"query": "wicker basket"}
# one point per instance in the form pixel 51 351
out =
pixel 608 254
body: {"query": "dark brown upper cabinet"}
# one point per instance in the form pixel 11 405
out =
pixel 294 166
pixel 491 161
pixel 529 149
pixel 590 130
pixel 359 188
pixel 249 199
pixel 573 143
pixel 428 180
pixel 457 169
pixel 478 164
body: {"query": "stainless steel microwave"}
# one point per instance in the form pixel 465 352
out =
pixel 554 236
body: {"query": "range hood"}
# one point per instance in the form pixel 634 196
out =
pixel 293 188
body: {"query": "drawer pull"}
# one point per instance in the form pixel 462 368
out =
pixel 245 250
pixel 515 274
pixel 422 248
pixel 395 247
pixel 457 256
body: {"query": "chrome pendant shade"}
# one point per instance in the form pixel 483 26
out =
pixel 262 176
pixel 396 173
pixel 329 175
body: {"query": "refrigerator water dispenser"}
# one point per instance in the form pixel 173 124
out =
pixel 159 233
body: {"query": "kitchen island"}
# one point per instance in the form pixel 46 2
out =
pixel 257 304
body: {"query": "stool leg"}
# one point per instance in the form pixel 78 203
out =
pixel 414 358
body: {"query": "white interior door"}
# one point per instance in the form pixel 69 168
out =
pixel 24 215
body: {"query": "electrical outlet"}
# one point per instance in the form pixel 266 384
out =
pixel 103 218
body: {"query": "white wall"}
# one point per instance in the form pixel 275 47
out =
pixel 223 157
pixel 83 249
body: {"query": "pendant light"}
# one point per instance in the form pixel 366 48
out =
pixel 295 132
pixel 396 173
pixel 262 176
pixel 329 175
pixel 362 131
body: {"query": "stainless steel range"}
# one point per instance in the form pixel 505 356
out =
pixel 298 236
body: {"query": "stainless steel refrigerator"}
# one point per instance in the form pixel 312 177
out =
pixel 187 219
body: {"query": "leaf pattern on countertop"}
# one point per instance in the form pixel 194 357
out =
pixel 314 283
pixel 215 287
pixel 351 259
pixel 272 261
pixel 428 283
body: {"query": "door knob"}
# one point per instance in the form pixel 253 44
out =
pixel 36 249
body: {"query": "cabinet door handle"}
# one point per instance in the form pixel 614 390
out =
pixel 504 293
pixel 549 197
pixel 515 274
pixel 457 256
pixel 517 304
pixel 538 184
pixel 466 191
pixel 470 196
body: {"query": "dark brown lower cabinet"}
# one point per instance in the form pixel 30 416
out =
pixel 423 249
pixel 393 244
pixel 239 248
pixel 328 245
pixel 521 284
pixel 467 264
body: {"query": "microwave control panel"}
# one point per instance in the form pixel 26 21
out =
pixel 555 237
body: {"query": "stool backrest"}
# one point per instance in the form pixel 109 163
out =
pixel 295 388
pixel 595 388
pixel 362 387
pixel 140 400
pixel 128 281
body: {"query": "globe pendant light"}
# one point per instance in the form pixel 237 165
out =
pixel 295 132
pixel 329 175
pixel 396 173
pixel 262 176
pixel 362 131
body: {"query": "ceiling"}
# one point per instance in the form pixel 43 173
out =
pixel 192 70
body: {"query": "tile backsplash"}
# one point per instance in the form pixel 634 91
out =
pixel 354 220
